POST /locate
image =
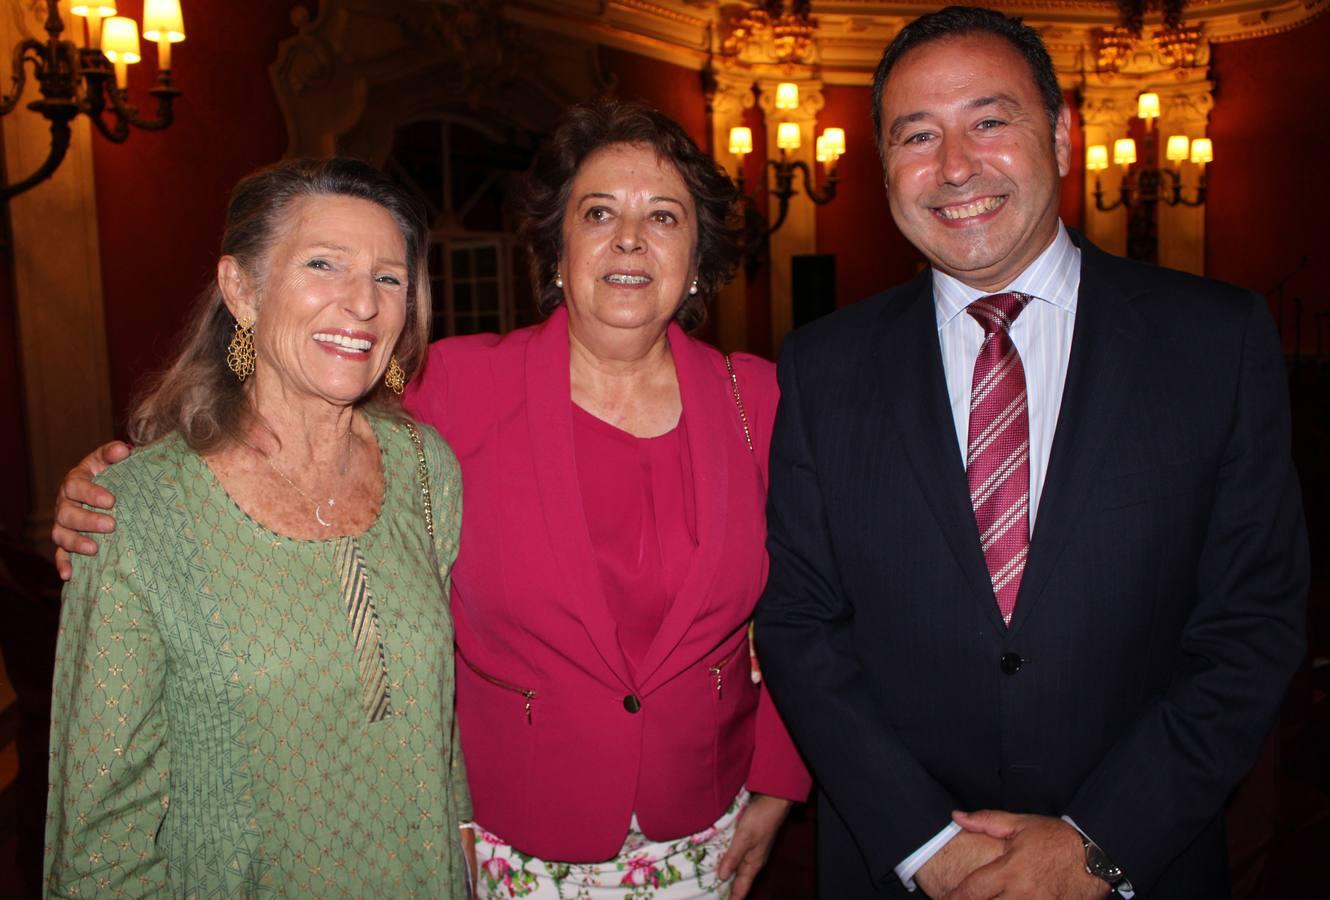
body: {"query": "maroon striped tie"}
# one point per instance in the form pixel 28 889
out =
pixel 998 461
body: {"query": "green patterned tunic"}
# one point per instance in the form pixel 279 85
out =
pixel 238 713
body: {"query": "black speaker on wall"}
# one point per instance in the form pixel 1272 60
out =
pixel 813 286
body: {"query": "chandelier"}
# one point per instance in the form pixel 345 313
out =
pixel 790 31
pixel 1177 45
pixel 1175 42
pixel 91 80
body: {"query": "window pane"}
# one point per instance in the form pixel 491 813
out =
pixel 487 261
pixel 461 264
pixel 462 302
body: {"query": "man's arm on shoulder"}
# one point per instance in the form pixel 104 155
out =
pixel 1170 773
pixel 890 802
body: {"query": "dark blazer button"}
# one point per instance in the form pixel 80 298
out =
pixel 1011 663
pixel 631 703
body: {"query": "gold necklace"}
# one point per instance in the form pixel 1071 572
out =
pixel 318 505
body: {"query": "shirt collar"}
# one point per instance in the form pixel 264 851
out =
pixel 1054 277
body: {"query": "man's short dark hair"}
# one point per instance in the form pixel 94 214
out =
pixel 957 21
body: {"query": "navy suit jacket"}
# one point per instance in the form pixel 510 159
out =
pixel 1160 615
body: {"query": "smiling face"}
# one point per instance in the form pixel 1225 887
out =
pixel 629 240
pixel 972 169
pixel 332 301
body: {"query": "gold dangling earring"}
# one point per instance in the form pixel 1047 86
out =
pixel 395 378
pixel 240 352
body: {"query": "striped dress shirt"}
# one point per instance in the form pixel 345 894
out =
pixel 1041 333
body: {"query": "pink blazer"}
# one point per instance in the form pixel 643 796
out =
pixel 562 743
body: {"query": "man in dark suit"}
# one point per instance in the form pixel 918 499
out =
pixel 1038 566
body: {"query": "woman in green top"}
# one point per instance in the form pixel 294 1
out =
pixel 254 683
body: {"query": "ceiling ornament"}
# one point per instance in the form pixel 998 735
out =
pixel 1174 44
pixel 770 31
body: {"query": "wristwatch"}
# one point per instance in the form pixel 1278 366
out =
pixel 1100 866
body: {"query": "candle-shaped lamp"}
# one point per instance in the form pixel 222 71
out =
pixel 1202 152
pixel 741 141
pixel 831 146
pixel 1147 108
pixel 120 43
pixel 787 136
pixel 162 23
pixel 1096 158
pixel 94 13
pixel 1179 145
pixel 787 95
pixel 1124 152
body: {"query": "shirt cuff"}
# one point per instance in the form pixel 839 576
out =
pixel 916 860
pixel 1124 888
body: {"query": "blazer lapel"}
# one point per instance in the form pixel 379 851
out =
pixel 712 450
pixel 1099 376
pixel 910 361
pixel 550 420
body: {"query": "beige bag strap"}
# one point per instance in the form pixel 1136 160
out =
pixel 739 402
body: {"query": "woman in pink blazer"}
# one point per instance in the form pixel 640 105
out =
pixel 612 542
pixel 604 718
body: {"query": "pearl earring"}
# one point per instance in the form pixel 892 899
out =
pixel 558 281
pixel 693 289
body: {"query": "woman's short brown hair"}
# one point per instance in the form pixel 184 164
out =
pixel 590 127
pixel 197 395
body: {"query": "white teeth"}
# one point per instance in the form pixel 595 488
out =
pixel 978 207
pixel 346 343
pixel 627 279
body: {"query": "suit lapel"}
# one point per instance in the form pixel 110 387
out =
pixel 1099 375
pixel 550 420
pixel 712 451
pixel 910 361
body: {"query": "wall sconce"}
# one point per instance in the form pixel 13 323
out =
pixel 74 80
pixel 1146 188
pixel 829 149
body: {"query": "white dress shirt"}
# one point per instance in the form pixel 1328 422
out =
pixel 1041 333
pixel 1042 336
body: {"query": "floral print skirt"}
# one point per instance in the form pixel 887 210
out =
pixel 681 869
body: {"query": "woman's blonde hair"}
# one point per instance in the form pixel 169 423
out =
pixel 197 394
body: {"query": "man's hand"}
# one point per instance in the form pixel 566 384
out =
pixel 753 837
pixel 70 516
pixel 959 857
pixel 1044 858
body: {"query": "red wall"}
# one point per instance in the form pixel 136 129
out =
pixel 673 90
pixel 1269 185
pixel 161 196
